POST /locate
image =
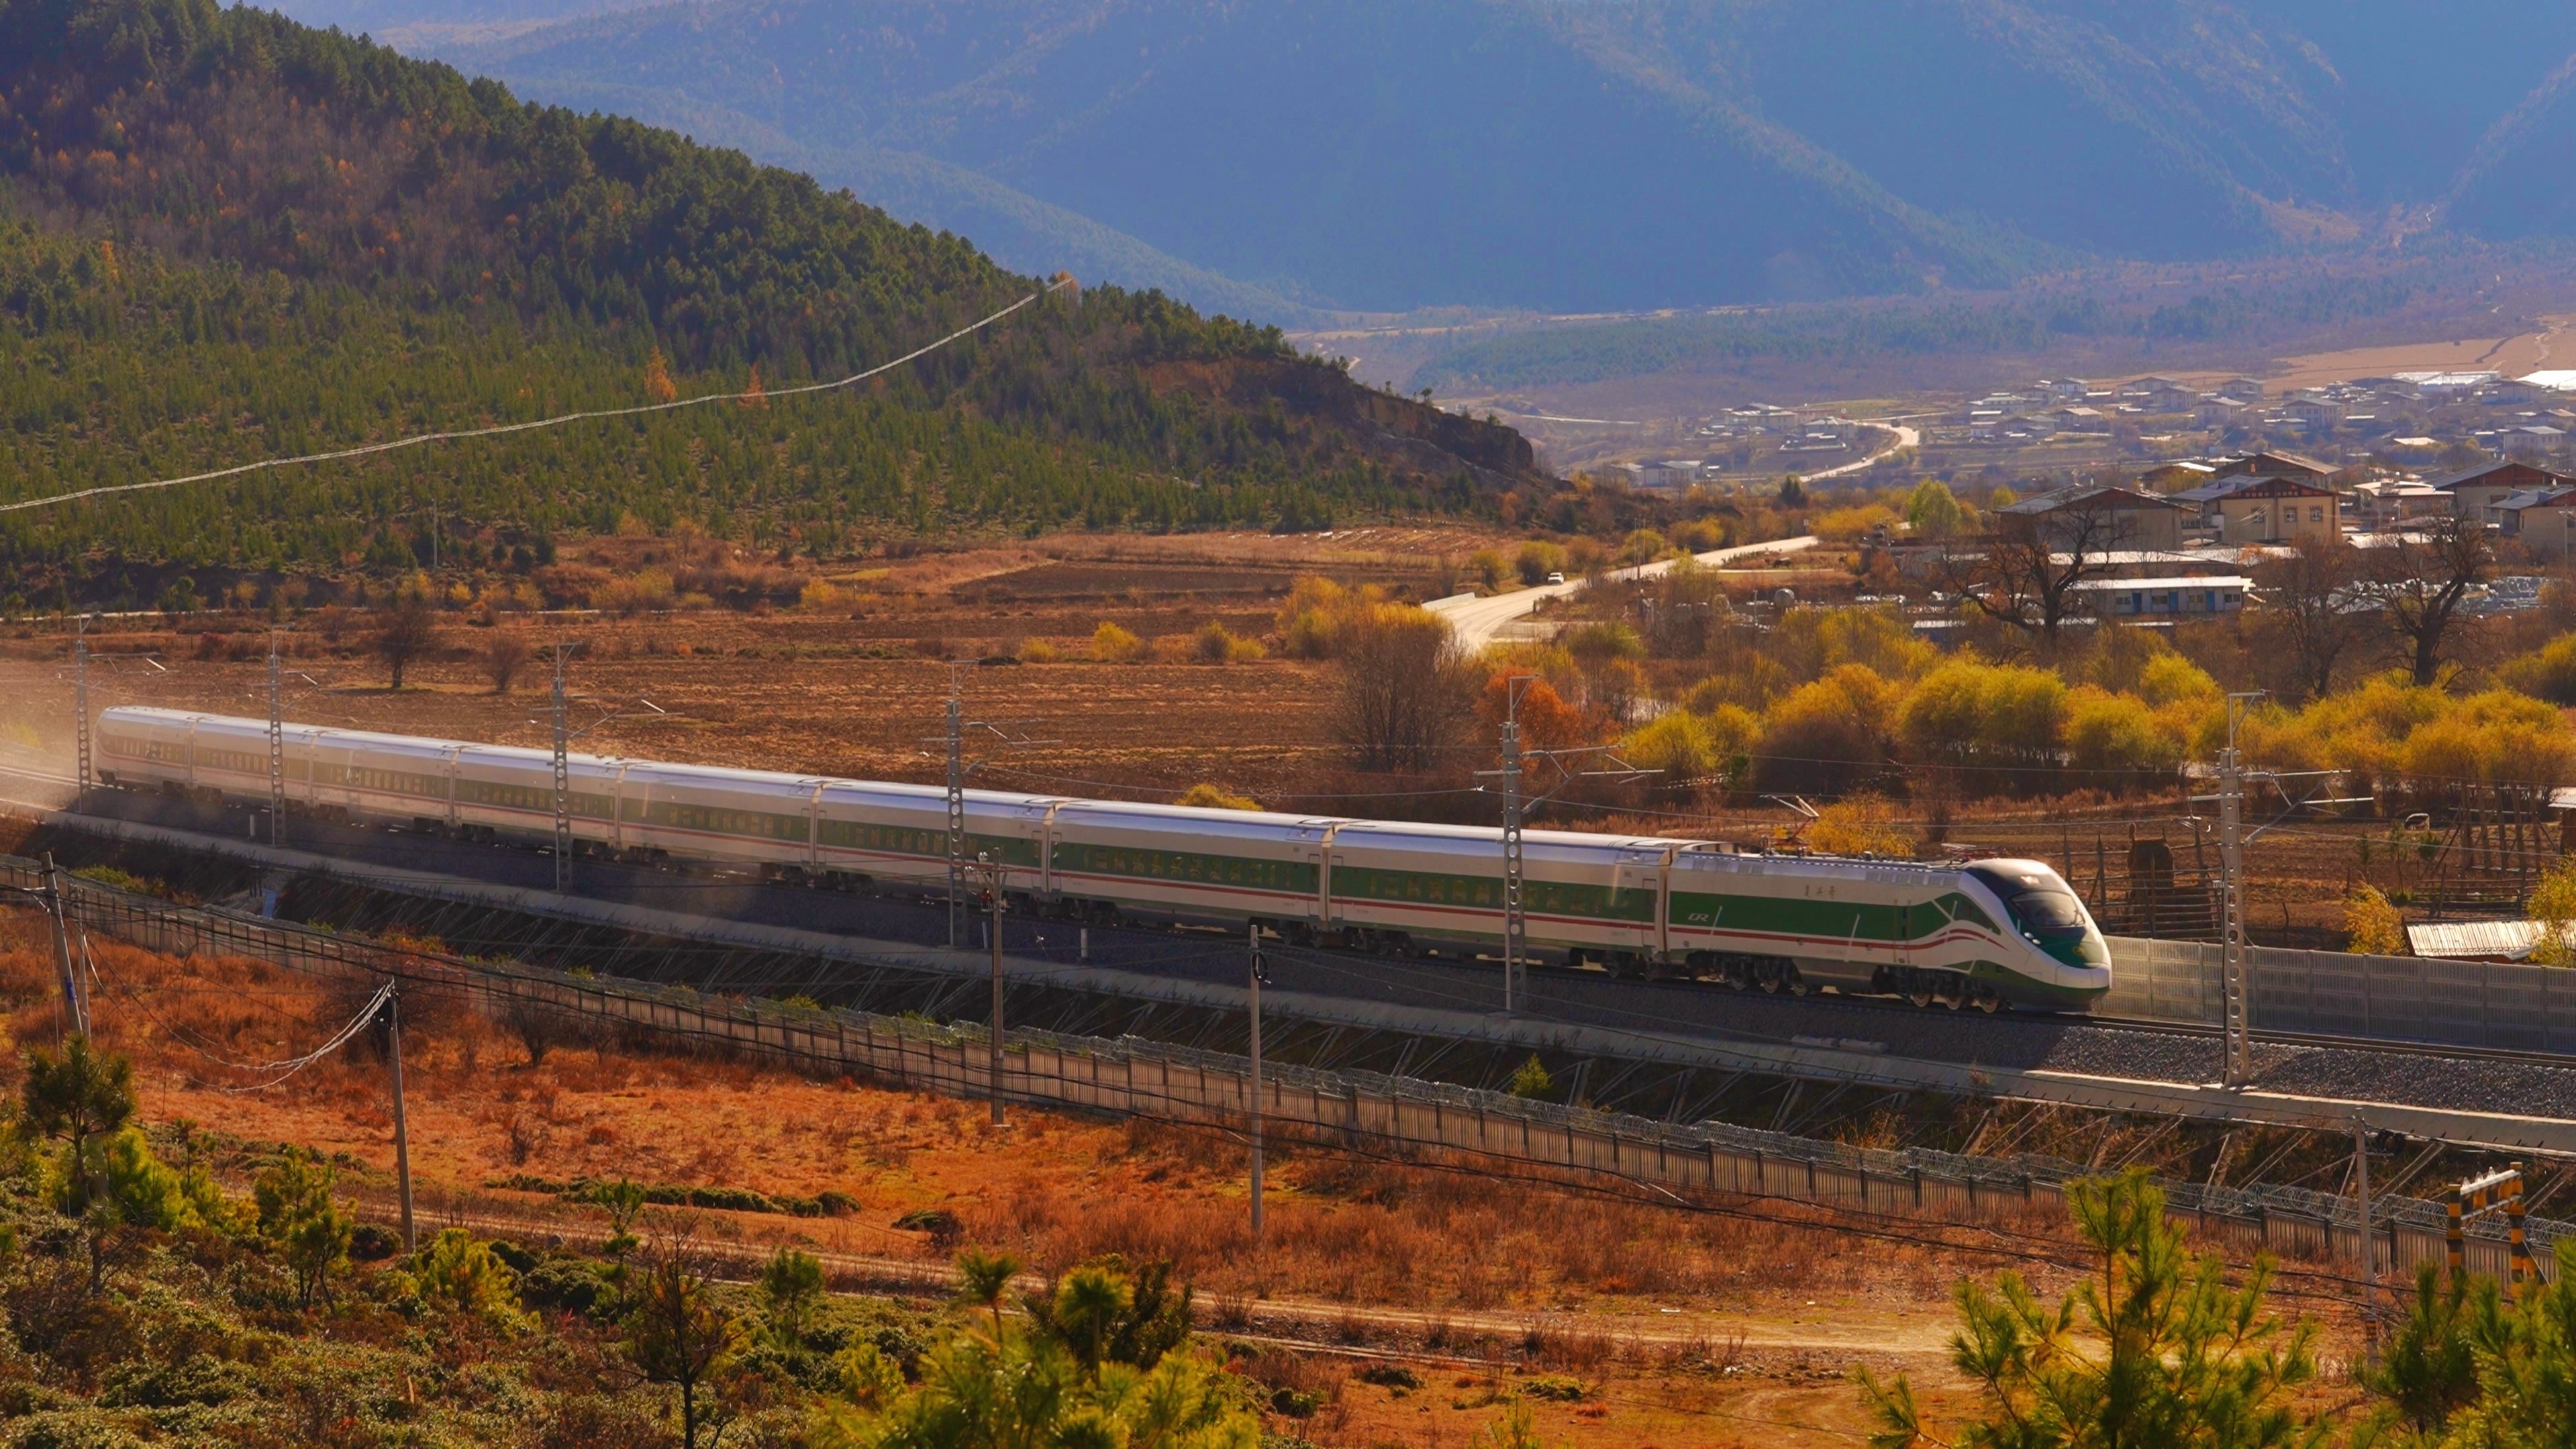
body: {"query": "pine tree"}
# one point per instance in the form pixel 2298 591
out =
pixel 2158 1349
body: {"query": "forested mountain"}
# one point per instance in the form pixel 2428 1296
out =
pixel 1594 154
pixel 224 235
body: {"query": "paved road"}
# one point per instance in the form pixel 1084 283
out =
pixel 1479 621
pixel 1905 438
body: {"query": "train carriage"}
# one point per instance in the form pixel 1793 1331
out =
pixel 359 773
pixel 1986 933
pixel 1925 932
pixel 874 831
pixel 504 790
pixel 1225 865
pixel 1593 897
pixel 752 817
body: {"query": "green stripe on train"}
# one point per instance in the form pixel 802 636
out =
pixel 1186 867
pixel 1830 919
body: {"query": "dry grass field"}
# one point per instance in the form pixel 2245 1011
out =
pixel 1624 1323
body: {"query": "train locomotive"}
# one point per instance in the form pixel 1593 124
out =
pixel 1987 934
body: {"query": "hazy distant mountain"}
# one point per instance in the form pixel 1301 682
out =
pixel 1591 154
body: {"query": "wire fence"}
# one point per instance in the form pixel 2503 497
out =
pixel 1364 1110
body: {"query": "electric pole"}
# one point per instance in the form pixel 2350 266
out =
pixel 75 1018
pixel 953 739
pixel 563 782
pixel 2369 1247
pixel 1260 971
pixel 402 1130
pixel 957 849
pixel 2236 1005
pixel 1515 917
pixel 80 709
pixel 276 750
pixel 993 887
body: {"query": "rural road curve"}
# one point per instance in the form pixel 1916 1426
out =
pixel 1905 438
pixel 1477 621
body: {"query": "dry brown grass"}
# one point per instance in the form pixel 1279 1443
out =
pixel 1059 1189
pixel 1528 1288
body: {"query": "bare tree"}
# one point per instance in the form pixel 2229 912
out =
pixel 2421 578
pixel 403 633
pixel 2029 568
pixel 1406 689
pixel 2314 609
pixel 502 656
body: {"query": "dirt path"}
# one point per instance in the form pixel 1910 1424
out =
pixel 1840 1332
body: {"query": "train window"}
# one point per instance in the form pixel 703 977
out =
pixel 2049 911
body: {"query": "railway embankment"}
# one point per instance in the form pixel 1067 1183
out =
pixel 1369 1113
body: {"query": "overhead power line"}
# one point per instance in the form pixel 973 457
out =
pixel 498 429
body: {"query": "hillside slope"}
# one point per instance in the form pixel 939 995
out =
pixel 1578 155
pixel 224 235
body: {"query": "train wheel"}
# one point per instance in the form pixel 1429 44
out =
pixel 1985 998
pixel 1918 990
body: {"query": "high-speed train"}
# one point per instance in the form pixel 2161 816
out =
pixel 1988 934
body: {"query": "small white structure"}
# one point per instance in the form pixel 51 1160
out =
pixel 2474 940
pixel 2177 597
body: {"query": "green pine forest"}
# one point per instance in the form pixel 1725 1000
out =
pixel 226 236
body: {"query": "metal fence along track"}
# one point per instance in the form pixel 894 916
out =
pixel 2482 1005
pixel 1359 1110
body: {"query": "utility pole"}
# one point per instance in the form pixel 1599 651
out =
pixel 993 886
pixel 2369 1246
pixel 2236 1005
pixel 1260 972
pixel 402 1129
pixel 276 750
pixel 1516 808
pixel 957 842
pixel 75 1017
pixel 563 782
pixel 1515 917
pixel 80 708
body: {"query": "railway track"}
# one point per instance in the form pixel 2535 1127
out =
pixel 2118 1063
pixel 2324 1041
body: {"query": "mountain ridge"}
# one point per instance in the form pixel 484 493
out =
pixel 225 236
pixel 1334 154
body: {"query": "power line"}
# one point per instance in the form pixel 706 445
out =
pixel 499 429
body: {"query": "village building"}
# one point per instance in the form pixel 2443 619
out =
pixel 2473 491
pixel 2240 509
pixel 2312 413
pixel 2217 412
pixel 2274 465
pixel 2175 477
pixel 2543 521
pixel 2157 599
pixel 2391 502
pixel 2103 518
